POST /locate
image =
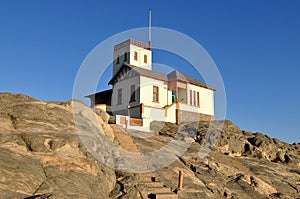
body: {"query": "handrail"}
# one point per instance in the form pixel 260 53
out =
pixel 168 106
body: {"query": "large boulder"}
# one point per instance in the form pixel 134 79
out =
pixel 41 152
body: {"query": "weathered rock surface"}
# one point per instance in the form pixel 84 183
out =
pixel 42 153
pixel 235 142
pixel 241 164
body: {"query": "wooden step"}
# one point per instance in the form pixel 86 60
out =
pixel 154 184
pixel 155 190
pixel 148 179
pixel 149 174
pixel 169 195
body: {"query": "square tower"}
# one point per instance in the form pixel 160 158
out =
pixel 133 52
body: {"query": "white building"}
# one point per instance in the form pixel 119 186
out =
pixel 140 95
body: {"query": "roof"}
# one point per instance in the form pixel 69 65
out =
pixel 103 97
pixel 180 76
pixel 143 72
pixel 109 91
pixel 164 77
pixel 149 73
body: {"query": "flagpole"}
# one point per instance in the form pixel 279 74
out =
pixel 150 28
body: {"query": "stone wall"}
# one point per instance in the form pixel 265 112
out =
pixel 186 116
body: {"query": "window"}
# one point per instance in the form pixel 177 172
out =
pixel 155 94
pixel 173 95
pixel 125 56
pixel 195 98
pixel 118 60
pixel 119 96
pixel 145 59
pixel 191 97
pixel 135 56
pixel 132 92
pixel 198 99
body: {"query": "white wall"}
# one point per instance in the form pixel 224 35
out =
pixel 187 107
pixel 154 114
pixel 125 85
pixel 141 52
pixel 120 52
pixel 206 98
pixel 171 114
pixel 169 97
pixel 146 92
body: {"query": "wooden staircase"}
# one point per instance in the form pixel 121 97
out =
pixel 156 189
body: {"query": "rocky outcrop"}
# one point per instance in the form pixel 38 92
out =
pixel 235 142
pixel 41 152
pixel 231 140
pixel 42 155
pixel 241 164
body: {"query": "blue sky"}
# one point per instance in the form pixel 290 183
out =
pixel 255 44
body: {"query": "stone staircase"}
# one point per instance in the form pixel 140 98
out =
pixel 129 157
pixel 155 188
pixel 125 140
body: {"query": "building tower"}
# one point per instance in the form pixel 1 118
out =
pixel 132 52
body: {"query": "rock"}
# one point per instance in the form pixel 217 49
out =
pixel 280 156
pixel 111 120
pixel 42 155
pixel 106 129
pixel 41 152
pixel 20 172
pixel 247 133
pixel 164 128
pixel 234 142
pixel 103 114
pixel 128 187
pixel 241 165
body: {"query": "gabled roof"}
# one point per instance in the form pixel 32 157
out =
pixel 103 97
pixel 141 71
pixel 102 93
pixel 150 73
pixel 156 75
pixel 180 76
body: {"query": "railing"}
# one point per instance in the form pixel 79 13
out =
pixel 140 44
pixel 136 122
pixel 133 123
pixel 133 42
